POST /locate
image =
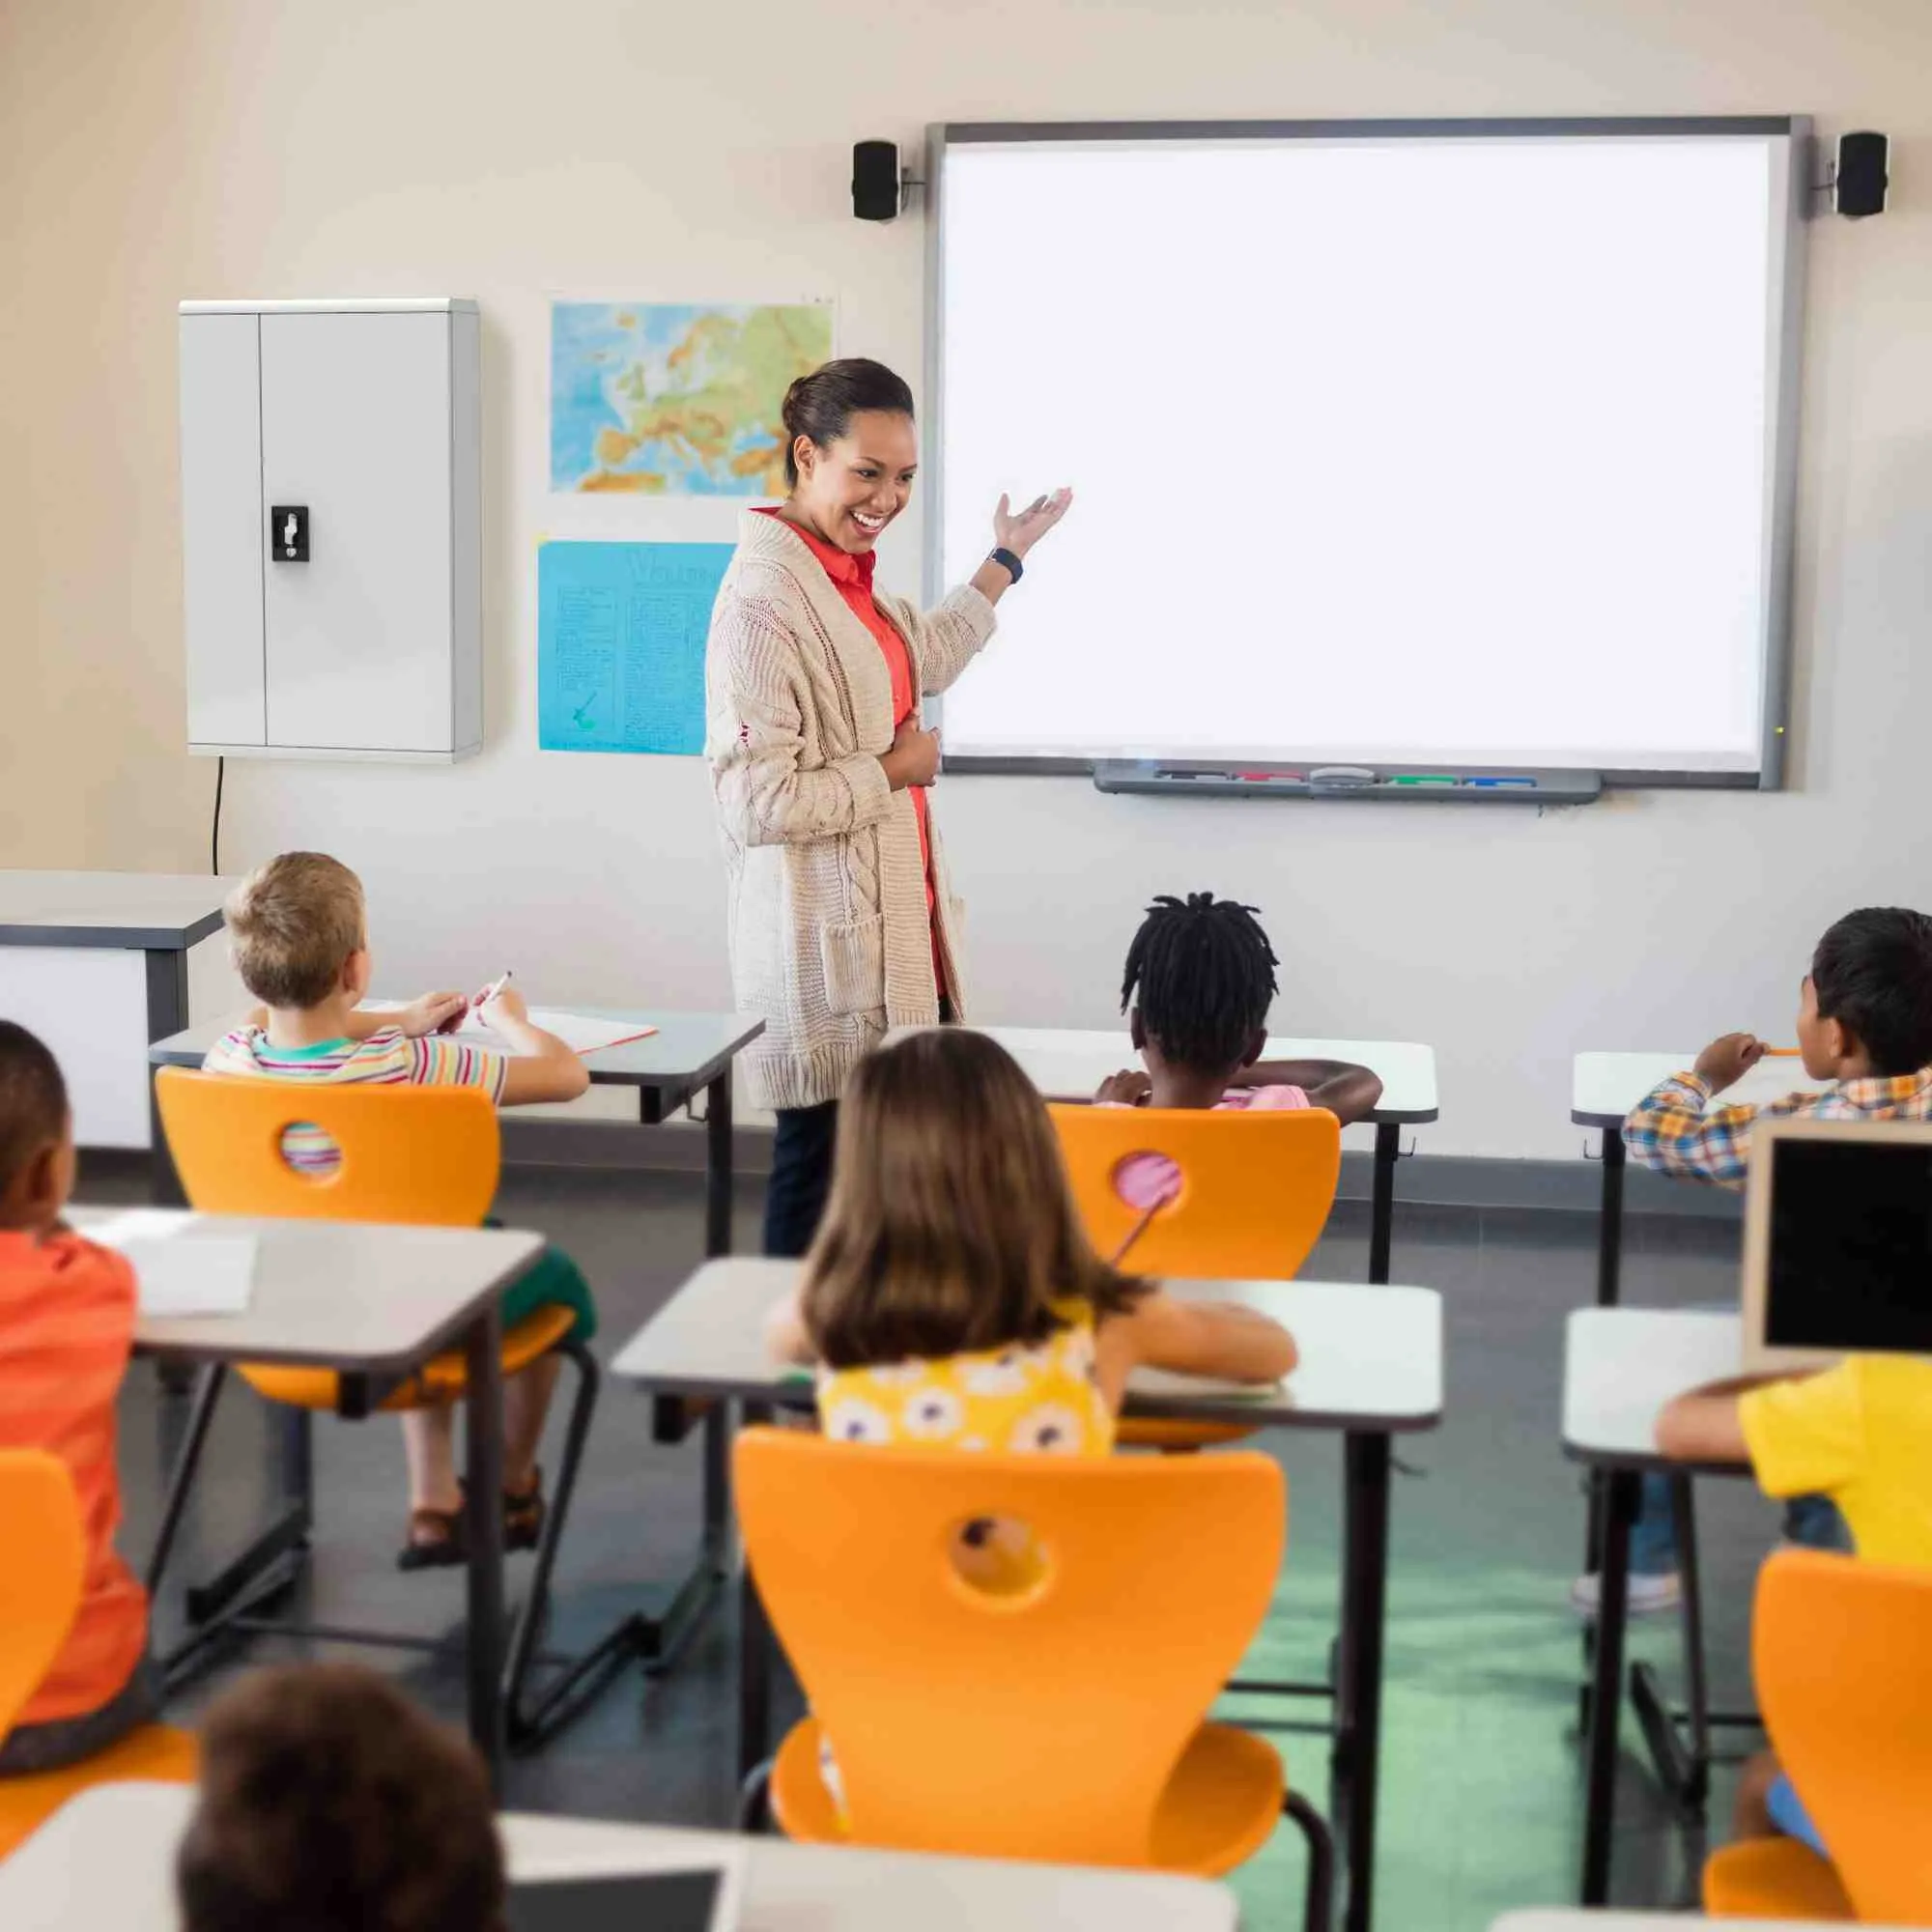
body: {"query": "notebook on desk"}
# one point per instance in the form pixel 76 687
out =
pixel 1838 1242
pixel 582 1033
pixel 184 1264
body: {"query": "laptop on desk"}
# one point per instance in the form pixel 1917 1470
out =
pixel 1838 1242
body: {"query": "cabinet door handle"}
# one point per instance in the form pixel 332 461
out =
pixel 288 533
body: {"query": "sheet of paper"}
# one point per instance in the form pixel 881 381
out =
pixel 580 1032
pixel 211 1275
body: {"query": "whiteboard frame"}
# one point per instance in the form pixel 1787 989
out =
pixel 1784 318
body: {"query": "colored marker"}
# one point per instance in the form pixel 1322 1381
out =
pixel 1782 1052
pixel 1423 779
pixel 1494 784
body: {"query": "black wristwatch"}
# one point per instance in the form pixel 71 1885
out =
pixel 1009 563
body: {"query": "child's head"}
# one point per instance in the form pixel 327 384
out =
pixel 328 1800
pixel 950 1227
pixel 36 1133
pixel 1868 996
pixel 296 932
pixel 1204 973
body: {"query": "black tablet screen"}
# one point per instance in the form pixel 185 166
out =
pixel 1851 1247
pixel 680 1901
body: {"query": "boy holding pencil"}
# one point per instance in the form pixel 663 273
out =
pixel 1865 1022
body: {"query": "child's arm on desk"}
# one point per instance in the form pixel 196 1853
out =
pixel 1705 1425
pixel 543 1068
pixel 1220 1339
pixel 1676 1130
pixel 1348 1092
pixel 785 1335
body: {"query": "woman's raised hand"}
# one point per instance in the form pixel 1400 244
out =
pixel 1020 530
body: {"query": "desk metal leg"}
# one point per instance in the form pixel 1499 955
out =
pixel 1607 1704
pixel 167 1012
pixel 1359 1714
pixel 718 1166
pixel 1381 1214
pixel 483 1365
pixel 754 1652
pixel 1683 1771
pixel 1611 1220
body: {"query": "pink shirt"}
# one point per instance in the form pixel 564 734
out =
pixel 1145 1181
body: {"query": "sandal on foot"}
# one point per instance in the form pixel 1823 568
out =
pixel 524 1516
pixel 436 1540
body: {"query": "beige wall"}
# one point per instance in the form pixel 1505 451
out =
pixel 180 148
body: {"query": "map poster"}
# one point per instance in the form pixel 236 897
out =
pixel 676 399
pixel 621 644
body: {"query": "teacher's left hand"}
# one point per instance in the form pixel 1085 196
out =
pixel 1018 531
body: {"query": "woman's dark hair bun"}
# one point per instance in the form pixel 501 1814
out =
pixel 820 407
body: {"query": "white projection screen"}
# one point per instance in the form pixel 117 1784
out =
pixel 1455 445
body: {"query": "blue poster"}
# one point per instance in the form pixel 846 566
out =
pixel 621 644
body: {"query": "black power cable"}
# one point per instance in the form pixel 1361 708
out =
pixel 215 830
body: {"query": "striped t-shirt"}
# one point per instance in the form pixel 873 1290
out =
pixel 67 1325
pixel 388 1058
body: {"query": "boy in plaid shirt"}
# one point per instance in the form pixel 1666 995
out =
pixel 1865 1021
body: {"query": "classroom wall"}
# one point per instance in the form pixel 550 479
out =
pixel 203 147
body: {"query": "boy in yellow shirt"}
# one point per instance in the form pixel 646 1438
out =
pixel 1860 1433
pixel 298 936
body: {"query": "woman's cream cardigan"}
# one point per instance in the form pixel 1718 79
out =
pixel 828 920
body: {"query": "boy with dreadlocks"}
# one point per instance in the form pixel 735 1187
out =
pixel 1204 973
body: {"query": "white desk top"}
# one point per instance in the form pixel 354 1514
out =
pixel 1606 1086
pixel 687 1049
pixel 107 1860
pixel 1069 1063
pixel 1371 1357
pixel 343 1294
pixel 1620 1367
pixel 155 910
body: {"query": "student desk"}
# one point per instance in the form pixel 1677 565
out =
pixel 95 964
pixel 1070 1066
pixel 1604 1086
pixel 371 1302
pixel 1371 1369
pixel 1620 1367
pixel 106 1859
pixel 689 1054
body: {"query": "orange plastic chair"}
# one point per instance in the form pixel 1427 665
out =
pixel 1062 1721
pixel 1256 1191
pixel 41 1584
pixel 415 1155
pixel 1841 1654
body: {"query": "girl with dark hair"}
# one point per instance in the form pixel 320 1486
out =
pixel 841 925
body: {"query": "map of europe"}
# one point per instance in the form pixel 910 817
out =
pixel 671 399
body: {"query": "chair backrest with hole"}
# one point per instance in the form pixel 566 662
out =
pixel 1255 1189
pixel 424 1154
pixel 1841 1653
pixel 42 1572
pixel 1042 1723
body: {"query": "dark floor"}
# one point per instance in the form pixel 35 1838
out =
pixel 1482 1785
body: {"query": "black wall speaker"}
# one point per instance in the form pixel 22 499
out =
pixel 1861 180
pixel 875 180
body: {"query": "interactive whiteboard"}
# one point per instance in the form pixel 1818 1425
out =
pixel 1455 444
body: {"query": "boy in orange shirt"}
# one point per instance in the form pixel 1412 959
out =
pixel 67 1327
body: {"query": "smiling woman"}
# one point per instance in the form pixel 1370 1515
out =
pixel 840 922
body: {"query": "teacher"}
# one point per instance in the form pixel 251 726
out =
pixel 842 925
